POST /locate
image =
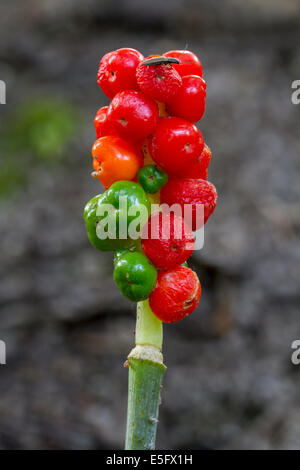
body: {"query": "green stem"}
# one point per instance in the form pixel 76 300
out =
pixel 148 328
pixel 146 370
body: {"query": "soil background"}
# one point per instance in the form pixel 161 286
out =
pixel 230 383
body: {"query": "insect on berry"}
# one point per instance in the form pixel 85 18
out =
pixel 160 80
pixel 160 60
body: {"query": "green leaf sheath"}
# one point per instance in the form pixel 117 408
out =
pixel 146 371
pixel 145 381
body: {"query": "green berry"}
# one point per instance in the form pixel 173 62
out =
pixel 152 178
pixel 134 275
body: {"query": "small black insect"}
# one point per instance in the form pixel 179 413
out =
pixel 160 60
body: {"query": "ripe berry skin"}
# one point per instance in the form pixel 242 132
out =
pixel 176 294
pixel 117 71
pixel 195 173
pixel 133 114
pixel 115 159
pixel 189 63
pixel 198 170
pixel 167 240
pixel 102 126
pixel 191 191
pixel 189 102
pixel 175 144
pixel 161 82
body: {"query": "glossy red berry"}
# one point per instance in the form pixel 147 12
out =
pixel 194 192
pixel 198 170
pixel 160 82
pixel 117 71
pixel 167 240
pixel 175 144
pixel 102 126
pixel 189 63
pixel 133 114
pixel 203 175
pixel 189 102
pixel 176 294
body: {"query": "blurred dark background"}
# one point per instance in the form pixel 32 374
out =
pixel 230 382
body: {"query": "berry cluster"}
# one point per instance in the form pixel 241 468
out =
pixel 149 150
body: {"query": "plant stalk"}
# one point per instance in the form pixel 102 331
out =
pixel 146 370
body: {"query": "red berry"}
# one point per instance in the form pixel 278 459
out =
pixel 102 126
pixel 189 102
pixel 189 63
pixel 161 82
pixel 198 170
pixel 204 175
pixel 133 114
pixel 175 144
pixel 176 294
pixel 117 71
pixel 191 191
pixel 167 240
